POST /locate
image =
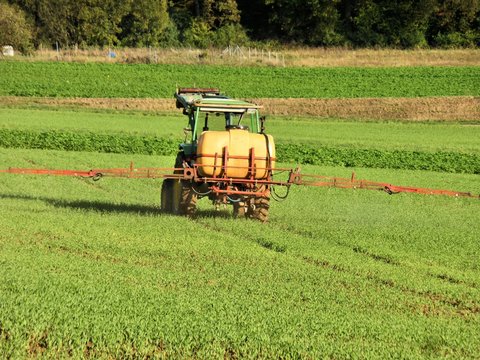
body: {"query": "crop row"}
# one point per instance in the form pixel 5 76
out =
pixel 453 162
pixel 443 161
pixel 160 81
pixel 105 143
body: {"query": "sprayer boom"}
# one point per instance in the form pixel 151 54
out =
pixel 294 177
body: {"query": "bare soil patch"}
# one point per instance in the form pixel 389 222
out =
pixel 465 108
pixel 415 109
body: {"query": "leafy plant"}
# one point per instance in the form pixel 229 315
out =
pixel 94 269
pixel 159 81
pixel 453 162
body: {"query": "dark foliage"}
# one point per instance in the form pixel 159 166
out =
pixel 204 23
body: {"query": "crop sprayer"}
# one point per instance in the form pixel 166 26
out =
pixel 227 157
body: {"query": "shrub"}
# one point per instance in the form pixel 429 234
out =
pixel 232 34
pixel 14 29
pixel 199 35
pixel 457 39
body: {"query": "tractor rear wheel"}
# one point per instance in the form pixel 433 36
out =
pixel 176 196
pixel 258 208
pixel 184 197
pixel 188 199
pixel 166 196
pixel 171 196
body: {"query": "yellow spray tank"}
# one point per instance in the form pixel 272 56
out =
pixel 238 148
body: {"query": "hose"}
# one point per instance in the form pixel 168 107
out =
pixel 199 193
pixel 277 197
pixel 232 200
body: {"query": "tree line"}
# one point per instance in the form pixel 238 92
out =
pixel 205 23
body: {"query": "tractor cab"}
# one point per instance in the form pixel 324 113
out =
pixel 209 110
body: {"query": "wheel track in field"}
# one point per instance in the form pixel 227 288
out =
pixel 441 304
pixel 461 307
pixel 264 243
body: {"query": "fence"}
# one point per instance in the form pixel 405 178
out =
pixel 230 55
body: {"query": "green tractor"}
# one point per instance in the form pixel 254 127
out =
pixel 226 156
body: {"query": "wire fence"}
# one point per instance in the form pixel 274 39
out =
pixel 151 55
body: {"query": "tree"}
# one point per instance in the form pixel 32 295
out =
pixel 14 29
pixel 401 23
pixel 255 17
pixel 182 12
pixel 204 23
pixel 54 20
pixel 199 34
pixel 215 13
pixel 145 23
pixel 220 13
pixel 99 21
pixel 348 11
pixel 313 22
pixel 455 23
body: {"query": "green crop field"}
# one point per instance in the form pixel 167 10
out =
pixel 95 269
pixel 159 81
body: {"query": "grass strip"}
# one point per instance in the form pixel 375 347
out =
pixel 442 161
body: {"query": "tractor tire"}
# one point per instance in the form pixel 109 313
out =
pixel 188 199
pixel 170 200
pixel 259 209
pixel 166 196
pixel 176 196
pixel 239 209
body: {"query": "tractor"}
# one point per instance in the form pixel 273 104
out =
pixel 227 156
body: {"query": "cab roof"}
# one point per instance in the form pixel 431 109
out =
pixel 211 100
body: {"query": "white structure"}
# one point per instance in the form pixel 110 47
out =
pixel 7 50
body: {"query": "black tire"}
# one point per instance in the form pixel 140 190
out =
pixel 259 210
pixel 176 197
pixel 185 198
pixel 170 200
pixel 188 199
pixel 166 196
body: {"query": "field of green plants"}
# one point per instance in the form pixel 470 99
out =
pixel 95 269
pixel 159 81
